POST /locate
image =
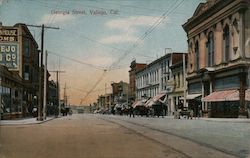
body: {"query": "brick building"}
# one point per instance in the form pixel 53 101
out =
pixel 134 67
pixel 19 54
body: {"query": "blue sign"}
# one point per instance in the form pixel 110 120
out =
pixel 9 55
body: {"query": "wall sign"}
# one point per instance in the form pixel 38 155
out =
pixel 9 55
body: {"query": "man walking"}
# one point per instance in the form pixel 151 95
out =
pixel 131 111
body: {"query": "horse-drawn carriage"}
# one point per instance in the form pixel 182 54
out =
pixel 185 112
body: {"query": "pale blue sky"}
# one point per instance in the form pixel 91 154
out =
pixel 112 39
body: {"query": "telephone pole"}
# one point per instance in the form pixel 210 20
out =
pixel 65 99
pixel 45 86
pixel 40 101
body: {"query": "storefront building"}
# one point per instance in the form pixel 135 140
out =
pixel 219 58
pixel 157 79
pixel 19 55
pixel 134 67
pixel 11 89
pixel 177 80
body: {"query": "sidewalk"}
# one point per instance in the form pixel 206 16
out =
pixel 231 120
pixel 25 121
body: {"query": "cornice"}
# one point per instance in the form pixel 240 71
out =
pixel 204 16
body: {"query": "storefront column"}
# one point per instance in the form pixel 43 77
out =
pixel 202 96
pixel 170 105
pixel 242 94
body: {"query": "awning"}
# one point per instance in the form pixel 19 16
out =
pixel 139 103
pixel 192 96
pixel 247 95
pixel 227 95
pixel 158 97
pixel 150 103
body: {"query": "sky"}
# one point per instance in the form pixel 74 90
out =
pixel 98 39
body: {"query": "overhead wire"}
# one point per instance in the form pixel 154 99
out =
pixel 150 30
pixel 78 61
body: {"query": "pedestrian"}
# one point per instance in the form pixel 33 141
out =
pixel 131 111
pixel 1 111
pixel 199 111
pixel 191 113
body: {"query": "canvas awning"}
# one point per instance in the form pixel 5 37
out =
pixel 227 95
pixel 139 103
pixel 158 97
pixel 192 96
pixel 150 103
pixel 247 95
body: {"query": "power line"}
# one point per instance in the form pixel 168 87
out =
pixel 52 17
pixel 95 85
pixel 93 40
pixel 148 31
pixel 100 43
pixel 75 60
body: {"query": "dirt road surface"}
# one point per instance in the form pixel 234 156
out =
pixel 79 136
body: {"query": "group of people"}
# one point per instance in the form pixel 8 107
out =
pixel 156 110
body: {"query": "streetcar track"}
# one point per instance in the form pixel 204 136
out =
pixel 173 134
pixel 144 136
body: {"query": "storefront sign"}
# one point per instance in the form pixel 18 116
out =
pixel 9 55
pixel 8 35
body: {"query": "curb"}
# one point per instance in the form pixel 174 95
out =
pixel 28 123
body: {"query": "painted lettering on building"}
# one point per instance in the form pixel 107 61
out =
pixel 9 54
pixel 8 35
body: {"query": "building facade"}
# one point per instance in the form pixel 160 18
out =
pixel 120 92
pixel 157 79
pixel 134 67
pixel 19 54
pixel 178 81
pixel 52 98
pixel 11 97
pixel 219 57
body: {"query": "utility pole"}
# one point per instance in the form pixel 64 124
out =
pixel 40 69
pixel 45 87
pixel 58 89
pixel 65 96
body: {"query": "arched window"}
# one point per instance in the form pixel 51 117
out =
pixel 197 53
pixel 226 43
pixel 210 49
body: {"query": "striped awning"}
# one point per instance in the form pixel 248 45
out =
pixel 227 95
pixel 159 97
pixel 139 103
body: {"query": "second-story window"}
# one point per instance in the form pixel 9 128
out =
pixel 210 49
pixel 197 55
pixel 178 80
pixel 26 72
pixel 26 48
pixel 226 43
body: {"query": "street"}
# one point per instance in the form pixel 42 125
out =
pixel 108 136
